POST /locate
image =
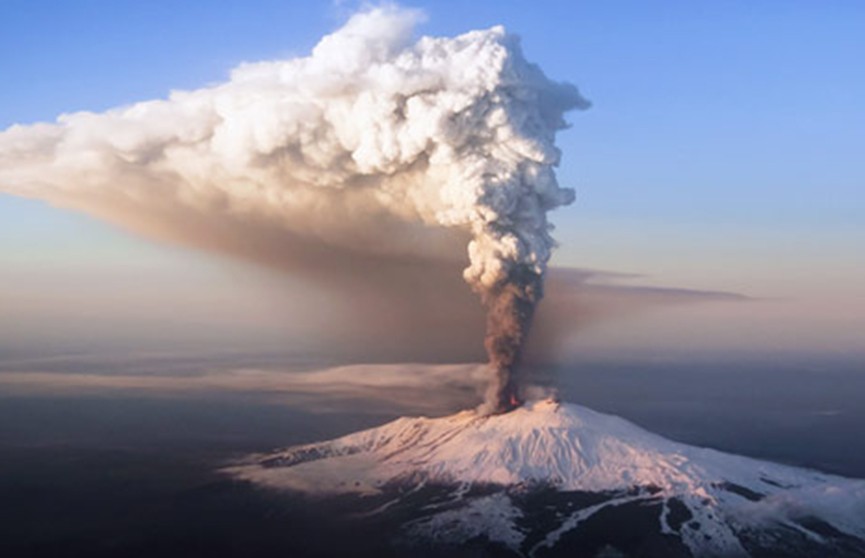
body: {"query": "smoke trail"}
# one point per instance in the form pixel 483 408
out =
pixel 510 307
pixel 373 145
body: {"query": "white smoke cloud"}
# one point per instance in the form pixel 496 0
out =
pixel 371 143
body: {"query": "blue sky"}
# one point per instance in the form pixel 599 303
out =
pixel 723 149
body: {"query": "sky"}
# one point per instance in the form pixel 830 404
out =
pixel 722 152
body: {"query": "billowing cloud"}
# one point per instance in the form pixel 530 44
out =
pixel 373 143
pixel 374 147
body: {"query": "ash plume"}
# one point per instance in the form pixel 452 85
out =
pixel 510 308
pixel 375 144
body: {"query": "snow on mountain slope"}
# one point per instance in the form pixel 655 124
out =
pixel 570 448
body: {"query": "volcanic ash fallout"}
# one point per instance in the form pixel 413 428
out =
pixel 363 147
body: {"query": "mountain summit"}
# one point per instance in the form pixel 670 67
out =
pixel 550 478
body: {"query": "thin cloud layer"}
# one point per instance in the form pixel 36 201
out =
pixel 403 387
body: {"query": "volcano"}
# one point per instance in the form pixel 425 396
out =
pixel 552 478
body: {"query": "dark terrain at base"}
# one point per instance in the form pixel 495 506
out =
pixel 134 477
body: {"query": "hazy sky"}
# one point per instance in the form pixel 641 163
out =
pixel 723 152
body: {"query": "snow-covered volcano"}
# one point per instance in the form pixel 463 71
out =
pixel 551 477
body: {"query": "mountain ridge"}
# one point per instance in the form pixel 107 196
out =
pixel 716 504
